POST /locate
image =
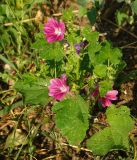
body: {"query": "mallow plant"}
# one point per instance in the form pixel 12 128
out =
pixel 78 75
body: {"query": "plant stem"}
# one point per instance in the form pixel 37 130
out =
pixel 55 69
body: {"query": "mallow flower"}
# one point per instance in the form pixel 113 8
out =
pixel 58 88
pixel 110 96
pixel 54 30
pixel 106 101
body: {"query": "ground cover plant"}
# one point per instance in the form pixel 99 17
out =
pixel 63 74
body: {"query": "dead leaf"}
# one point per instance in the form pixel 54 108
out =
pixel 16 138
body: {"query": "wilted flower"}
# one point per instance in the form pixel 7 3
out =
pixel 106 100
pixel 54 30
pixel 58 87
pixel 96 92
pixel 79 46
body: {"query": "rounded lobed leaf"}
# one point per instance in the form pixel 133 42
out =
pixel 115 136
pixel 72 119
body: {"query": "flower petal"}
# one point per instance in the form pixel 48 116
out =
pixel 105 102
pixel 58 88
pixel 112 95
pixel 50 29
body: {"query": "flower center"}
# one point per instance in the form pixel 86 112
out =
pixel 58 31
pixel 63 89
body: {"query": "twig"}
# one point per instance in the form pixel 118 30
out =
pixel 60 14
pixel 135 151
pixel 122 103
pixel 125 46
pixel 23 21
pixel 34 19
pixel 102 34
pixel 132 47
pixel 50 157
pixel 133 35
pixel 76 147
pixel 132 137
pixel 6 124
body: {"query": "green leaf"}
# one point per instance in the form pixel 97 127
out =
pixel 100 70
pixel 3 9
pixel 101 142
pixel 93 46
pixel 115 115
pixel 134 6
pixel 2 19
pixel 5 39
pixel 115 136
pixel 105 86
pixel 121 17
pixel 92 50
pixel 33 91
pixel 90 36
pixel 113 55
pixel 82 11
pixel 106 140
pixel 52 52
pixel 30 3
pixel 48 51
pixel 68 14
pixel 9 62
pixel 92 14
pixel 83 2
pixel 14 34
pixel 72 119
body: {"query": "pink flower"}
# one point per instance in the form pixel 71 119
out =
pixel 110 96
pixel 106 100
pixel 54 30
pixel 58 88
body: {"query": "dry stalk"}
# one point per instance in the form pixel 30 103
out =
pixel 23 21
pixel 130 33
pixel 76 147
pixel 36 18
